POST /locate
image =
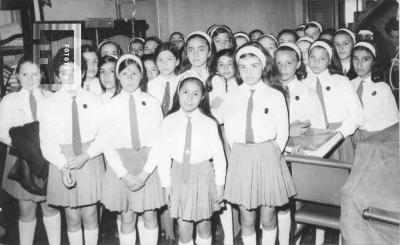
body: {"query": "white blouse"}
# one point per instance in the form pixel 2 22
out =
pixel 220 89
pixel 341 102
pixel 93 86
pixel 379 105
pixel 269 119
pixel 156 88
pixel 205 145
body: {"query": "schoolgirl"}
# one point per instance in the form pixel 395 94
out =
pixel 341 107
pixel 343 41
pixel 222 38
pixel 91 82
pixel 257 128
pixel 151 44
pixel 71 122
pixel 150 66
pixel 304 44
pixel 375 95
pixel 109 47
pixel 163 87
pixel 240 39
pixel 136 46
pixel 365 35
pixel 313 29
pixel 255 34
pixel 199 54
pixel 107 78
pixel 287 36
pixel 269 42
pixel 17 109
pixel 193 186
pixel 177 39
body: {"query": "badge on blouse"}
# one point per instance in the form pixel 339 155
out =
pixel 266 110
pixel 84 106
pixel 297 97
pixel 143 103
pixel 373 93
pixel 328 88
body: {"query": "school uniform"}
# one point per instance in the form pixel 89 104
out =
pixel 256 127
pixel 378 103
pixel 17 109
pixel 106 96
pixel 220 86
pixel 183 152
pixel 69 126
pixel 304 104
pixel 341 108
pixel 163 89
pixel 131 125
pixel 93 86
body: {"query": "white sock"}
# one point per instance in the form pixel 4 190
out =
pixel 269 237
pixel 284 224
pixel 26 232
pixel 91 236
pixel 75 238
pixel 249 240
pixel 53 228
pixel 203 241
pixel 186 243
pixel 141 229
pixel 319 236
pixel 127 239
pixel 227 225
pixel 149 236
pixel 119 225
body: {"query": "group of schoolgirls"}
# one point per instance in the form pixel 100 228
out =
pixel 190 127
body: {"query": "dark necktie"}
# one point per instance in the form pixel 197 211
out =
pixel 249 129
pixel 32 103
pixel 321 99
pixel 76 133
pixel 187 152
pixel 360 91
pixel 166 99
pixel 134 124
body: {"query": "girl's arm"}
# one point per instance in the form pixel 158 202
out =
pixel 218 156
pixel 281 122
pixel 355 116
pixel 160 155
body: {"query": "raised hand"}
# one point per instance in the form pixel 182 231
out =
pixel 67 178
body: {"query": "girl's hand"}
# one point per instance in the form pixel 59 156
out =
pixel 77 162
pixel 216 103
pixel 167 196
pixel 130 181
pixel 67 178
pixel 220 193
pixel 298 150
pixel 298 128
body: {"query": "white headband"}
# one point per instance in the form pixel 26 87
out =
pixel 301 26
pixel 134 39
pixel 241 34
pixel 270 36
pixel 125 57
pixel 366 45
pixel 365 32
pixel 106 41
pixel 200 33
pixel 219 27
pixel 292 46
pixel 351 34
pixel 323 45
pixel 317 24
pixel 252 50
pixel 306 39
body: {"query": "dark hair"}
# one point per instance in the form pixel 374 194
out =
pixel 63 56
pixel 330 31
pixel 185 60
pixel 214 63
pixel 119 49
pixel 334 66
pixel 154 39
pixel 204 105
pixel 288 31
pixel 106 60
pixel 86 48
pixel 23 60
pixel 84 68
pixel 210 28
pixel 183 38
pixel 301 72
pixel 377 69
pixel 391 25
pixel 254 31
pixel 270 74
pixel 122 66
pixel 223 29
pixel 300 27
pixel 167 47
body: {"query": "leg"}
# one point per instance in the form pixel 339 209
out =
pixel 204 233
pixel 90 224
pixel 52 223
pixel 167 223
pixel 74 221
pixel 128 230
pixel 185 230
pixel 150 231
pixel 227 225
pixel 284 224
pixel 248 218
pixel 27 221
pixel 268 220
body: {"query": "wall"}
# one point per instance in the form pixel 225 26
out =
pixel 79 9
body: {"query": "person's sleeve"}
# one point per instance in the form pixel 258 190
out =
pixel 218 156
pixel 281 122
pixel 389 105
pixel 6 110
pixel 160 153
pixel 115 162
pixel 102 138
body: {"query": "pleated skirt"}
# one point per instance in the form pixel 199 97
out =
pixel 117 196
pixel 12 187
pixel 258 176
pixel 88 188
pixel 195 199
